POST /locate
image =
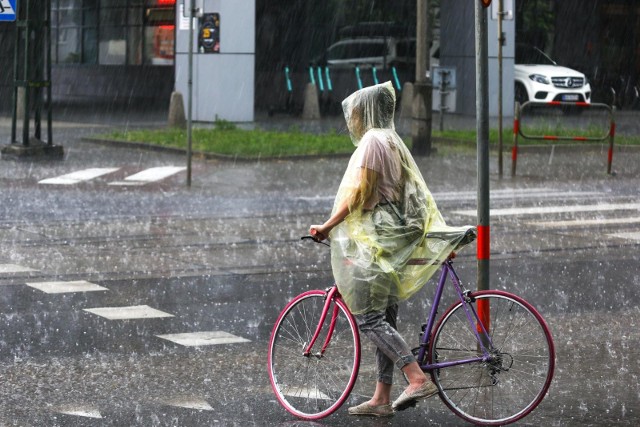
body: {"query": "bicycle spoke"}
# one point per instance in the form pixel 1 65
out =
pixel 517 372
pixel 313 386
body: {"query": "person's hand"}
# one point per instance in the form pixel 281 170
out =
pixel 319 232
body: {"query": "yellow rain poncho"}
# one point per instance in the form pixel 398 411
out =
pixel 380 254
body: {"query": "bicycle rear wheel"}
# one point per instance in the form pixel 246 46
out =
pixel 314 386
pixel 514 381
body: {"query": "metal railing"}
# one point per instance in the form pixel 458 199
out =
pixel 517 130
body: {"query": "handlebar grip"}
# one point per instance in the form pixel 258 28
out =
pixel 315 239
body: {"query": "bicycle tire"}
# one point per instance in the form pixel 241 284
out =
pixel 313 387
pixel 503 390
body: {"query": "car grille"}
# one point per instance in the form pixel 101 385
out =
pixel 568 82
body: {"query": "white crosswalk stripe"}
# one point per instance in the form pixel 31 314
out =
pixel 79 176
pixel 197 339
pixel 127 313
pixel 538 210
pixel 632 235
pixel 583 222
pixel 14 268
pixel 150 175
pixel 143 177
pixel 66 287
pixel 84 411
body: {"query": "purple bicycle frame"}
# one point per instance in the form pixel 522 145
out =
pixel 448 271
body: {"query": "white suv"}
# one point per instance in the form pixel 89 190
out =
pixel 538 78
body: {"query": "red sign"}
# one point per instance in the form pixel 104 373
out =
pixel 486 3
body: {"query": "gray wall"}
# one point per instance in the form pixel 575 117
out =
pixel 223 83
pixel 457 49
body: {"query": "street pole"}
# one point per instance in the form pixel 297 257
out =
pixel 422 89
pixel 500 45
pixel 482 126
pixel 192 13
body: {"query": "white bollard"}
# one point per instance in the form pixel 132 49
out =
pixel 177 117
pixel 311 109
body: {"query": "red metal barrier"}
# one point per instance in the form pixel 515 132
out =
pixel 517 130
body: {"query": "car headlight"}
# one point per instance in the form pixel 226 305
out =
pixel 539 78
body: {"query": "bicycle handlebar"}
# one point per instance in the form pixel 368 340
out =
pixel 314 239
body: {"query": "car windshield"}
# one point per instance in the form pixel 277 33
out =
pixel 532 55
pixel 356 50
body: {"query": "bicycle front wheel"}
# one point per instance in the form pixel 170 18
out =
pixel 313 386
pixel 517 375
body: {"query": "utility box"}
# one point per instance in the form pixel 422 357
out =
pixel 223 59
pixel 444 89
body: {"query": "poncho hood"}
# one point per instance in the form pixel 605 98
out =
pixel 369 108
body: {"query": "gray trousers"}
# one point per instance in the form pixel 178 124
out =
pixel 380 327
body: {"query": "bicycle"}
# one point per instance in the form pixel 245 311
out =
pixel 490 354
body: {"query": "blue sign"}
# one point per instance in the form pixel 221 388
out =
pixel 8 10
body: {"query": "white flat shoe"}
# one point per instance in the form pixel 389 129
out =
pixel 375 411
pixel 405 400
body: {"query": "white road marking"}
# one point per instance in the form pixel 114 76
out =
pixel 189 403
pixel 309 393
pixel 633 235
pixel 514 193
pixel 13 268
pixel 126 313
pixel 66 287
pixel 78 176
pixel 197 339
pixel 151 175
pixel 554 209
pixel 79 411
pixel 495 194
pixel 585 222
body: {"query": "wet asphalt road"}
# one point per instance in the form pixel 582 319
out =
pixel 224 256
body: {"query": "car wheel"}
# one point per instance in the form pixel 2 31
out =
pixel 520 94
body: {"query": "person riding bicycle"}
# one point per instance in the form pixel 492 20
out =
pixel 382 213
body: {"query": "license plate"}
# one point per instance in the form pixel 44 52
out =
pixel 570 97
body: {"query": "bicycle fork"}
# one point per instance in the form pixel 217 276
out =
pixel 331 294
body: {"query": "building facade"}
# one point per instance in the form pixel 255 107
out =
pixel 124 51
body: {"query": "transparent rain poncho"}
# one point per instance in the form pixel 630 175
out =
pixel 378 255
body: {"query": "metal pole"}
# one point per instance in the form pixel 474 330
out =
pixel 421 116
pixel 516 130
pixel 482 116
pixel 26 73
pixel 48 78
pixel 190 89
pixel 612 133
pixel 500 44
pixel 16 59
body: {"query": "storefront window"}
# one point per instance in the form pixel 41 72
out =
pixel 113 32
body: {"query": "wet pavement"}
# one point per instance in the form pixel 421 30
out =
pixel 223 257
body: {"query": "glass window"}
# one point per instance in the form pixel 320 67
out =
pixel 159 44
pixel 113 46
pixel 69 45
pixel 113 16
pixel 70 18
pixel 90 46
pixel 135 45
pixel 111 32
pixel 90 17
pixel 54 47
